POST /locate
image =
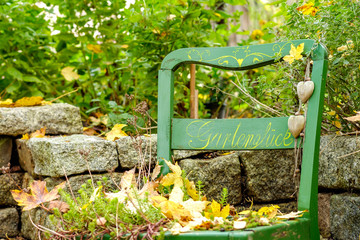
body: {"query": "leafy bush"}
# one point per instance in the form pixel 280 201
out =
pixel 104 49
pixel 335 24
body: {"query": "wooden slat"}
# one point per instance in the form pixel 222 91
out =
pixel 231 134
pixel 234 58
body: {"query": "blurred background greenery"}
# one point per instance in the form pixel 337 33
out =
pixel 95 52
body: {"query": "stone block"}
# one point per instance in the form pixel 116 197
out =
pixel 70 154
pixel 5 151
pixel 339 164
pixel 39 217
pixel 9 182
pixel 216 174
pixel 345 217
pixel 129 154
pixel 9 222
pixel 324 214
pixel 269 174
pixel 58 118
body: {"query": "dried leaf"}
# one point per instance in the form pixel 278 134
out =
pixel 89 131
pixel 149 188
pixel 121 196
pixel 94 48
pixel 191 189
pixel 239 225
pixel 128 180
pixel 38 133
pixel 29 101
pixel 62 206
pixel 176 195
pixel 291 215
pixel 69 74
pixel 7 103
pixel 25 136
pixel 39 194
pixel 116 132
pixel 156 171
pixel 355 118
pixel 173 178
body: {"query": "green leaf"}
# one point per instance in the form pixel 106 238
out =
pixel 31 79
pixel 15 73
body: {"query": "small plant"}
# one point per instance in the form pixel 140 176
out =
pixel 224 197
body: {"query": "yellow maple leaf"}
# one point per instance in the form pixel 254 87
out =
pixel 94 48
pixel 39 195
pixel 216 210
pixel 29 101
pixel 173 178
pixel 69 74
pixel 269 211
pixel 295 53
pixel 191 189
pixel 116 132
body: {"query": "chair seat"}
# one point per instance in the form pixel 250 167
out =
pixel 294 229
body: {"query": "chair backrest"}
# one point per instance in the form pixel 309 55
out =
pixel 244 134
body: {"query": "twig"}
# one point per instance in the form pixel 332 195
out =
pixel 44 229
pixel 346 155
pixel 256 101
pixel 64 95
pixel 68 183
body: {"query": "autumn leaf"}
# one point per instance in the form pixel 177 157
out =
pixel 62 206
pixel 191 189
pixel 39 195
pixel 128 180
pixel 116 132
pixel 295 53
pixel 69 74
pixel 270 212
pixel 291 215
pixel 6 103
pixel 94 48
pixel 216 211
pixel 355 118
pixel 308 9
pixel 29 101
pixel 173 178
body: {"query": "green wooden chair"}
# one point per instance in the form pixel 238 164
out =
pixel 246 134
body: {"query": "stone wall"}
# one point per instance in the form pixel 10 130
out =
pixel 264 176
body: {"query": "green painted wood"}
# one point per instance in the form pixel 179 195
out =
pixel 165 113
pixel 289 230
pixel 231 134
pixel 308 192
pixel 235 58
pixel 205 134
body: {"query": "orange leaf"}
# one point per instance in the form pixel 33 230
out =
pixel 62 206
pixel 39 194
pixel 38 133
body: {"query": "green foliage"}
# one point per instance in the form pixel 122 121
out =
pixel 113 49
pixel 224 197
pixel 82 219
pixel 336 25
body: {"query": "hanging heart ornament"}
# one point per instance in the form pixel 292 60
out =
pixel 305 90
pixel 296 124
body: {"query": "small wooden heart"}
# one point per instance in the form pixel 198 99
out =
pixel 296 124
pixel 305 90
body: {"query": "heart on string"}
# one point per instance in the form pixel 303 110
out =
pixel 305 90
pixel 296 124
